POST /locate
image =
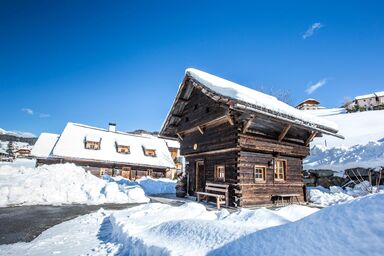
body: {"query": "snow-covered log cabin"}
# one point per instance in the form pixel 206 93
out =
pixel 102 151
pixel 237 136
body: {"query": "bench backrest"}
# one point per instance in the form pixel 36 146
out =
pixel 223 188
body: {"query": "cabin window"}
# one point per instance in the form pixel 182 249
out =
pixel 123 149
pixel 93 145
pixel 259 173
pixel 219 173
pixel 280 169
pixel 195 107
pixel 149 152
pixel 207 109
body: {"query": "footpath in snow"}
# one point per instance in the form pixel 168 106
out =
pixel 70 184
pixel 352 228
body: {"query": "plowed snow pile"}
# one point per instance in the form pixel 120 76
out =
pixel 62 184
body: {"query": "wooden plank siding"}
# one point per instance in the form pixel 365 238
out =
pixel 260 192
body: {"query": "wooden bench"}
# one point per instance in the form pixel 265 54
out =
pixel 210 189
pixel 289 198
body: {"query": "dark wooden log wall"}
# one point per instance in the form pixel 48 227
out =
pixel 260 144
pixel 199 109
pixel 251 192
pixel 227 159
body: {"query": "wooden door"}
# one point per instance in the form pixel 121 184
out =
pixel 200 176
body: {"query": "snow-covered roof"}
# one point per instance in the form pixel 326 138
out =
pixel 310 101
pixel 371 95
pixel 249 99
pixel 71 145
pixel 172 143
pixel 44 145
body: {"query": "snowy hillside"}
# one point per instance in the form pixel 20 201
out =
pixel 17 133
pixel 363 145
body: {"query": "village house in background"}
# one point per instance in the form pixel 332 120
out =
pixel 309 104
pixel 366 102
pixel 102 151
pixel 239 141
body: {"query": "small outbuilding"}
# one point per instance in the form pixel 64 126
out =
pixel 236 136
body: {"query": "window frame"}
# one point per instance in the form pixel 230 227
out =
pixel 217 172
pixel 119 147
pixel 90 145
pixel 146 150
pixel 264 173
pixel 275 168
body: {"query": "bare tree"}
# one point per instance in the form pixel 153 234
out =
pixel 282 94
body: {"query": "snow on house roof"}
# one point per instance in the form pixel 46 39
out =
pixel 71 145
pixel 310 100
pixel 92 137
pixel 371 95
pixel 44 145
pixel 172 143
pixel 258 100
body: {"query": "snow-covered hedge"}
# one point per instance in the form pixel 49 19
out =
pixel 62 184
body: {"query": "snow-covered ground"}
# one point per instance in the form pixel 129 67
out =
pixel 352 228
pixel 363 145
pixel 62 184
pixel 334 195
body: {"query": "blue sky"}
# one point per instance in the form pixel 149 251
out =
pixel 98 61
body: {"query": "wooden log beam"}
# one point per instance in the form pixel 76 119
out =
pixel 178 135
pixel 217 121
pixel 200 130
pixel 310 138
pixel 229 118
pixel 284 132
pixel 247 124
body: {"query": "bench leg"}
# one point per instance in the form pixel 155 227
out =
pixel 218 203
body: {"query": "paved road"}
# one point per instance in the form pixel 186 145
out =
pixel 24 223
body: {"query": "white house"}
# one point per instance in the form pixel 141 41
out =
pixel 107 151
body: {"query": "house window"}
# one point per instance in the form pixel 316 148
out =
pixel 93 145
pixel 280 169
pixel 149 152
pixel 259 173
pixel 122 149
pixel 219 173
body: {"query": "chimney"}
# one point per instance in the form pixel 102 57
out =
pixel 112 127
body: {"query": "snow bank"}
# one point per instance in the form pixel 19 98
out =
pixel 61 184
pixel 159 229
pixel 354 228
pixel 149 185
pixel 334 195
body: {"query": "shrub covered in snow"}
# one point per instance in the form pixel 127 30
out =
pixel 62 184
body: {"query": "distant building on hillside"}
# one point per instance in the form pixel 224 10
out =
pixel 309 104
pixel 23 153
pixel 368 101
pixel 102 151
